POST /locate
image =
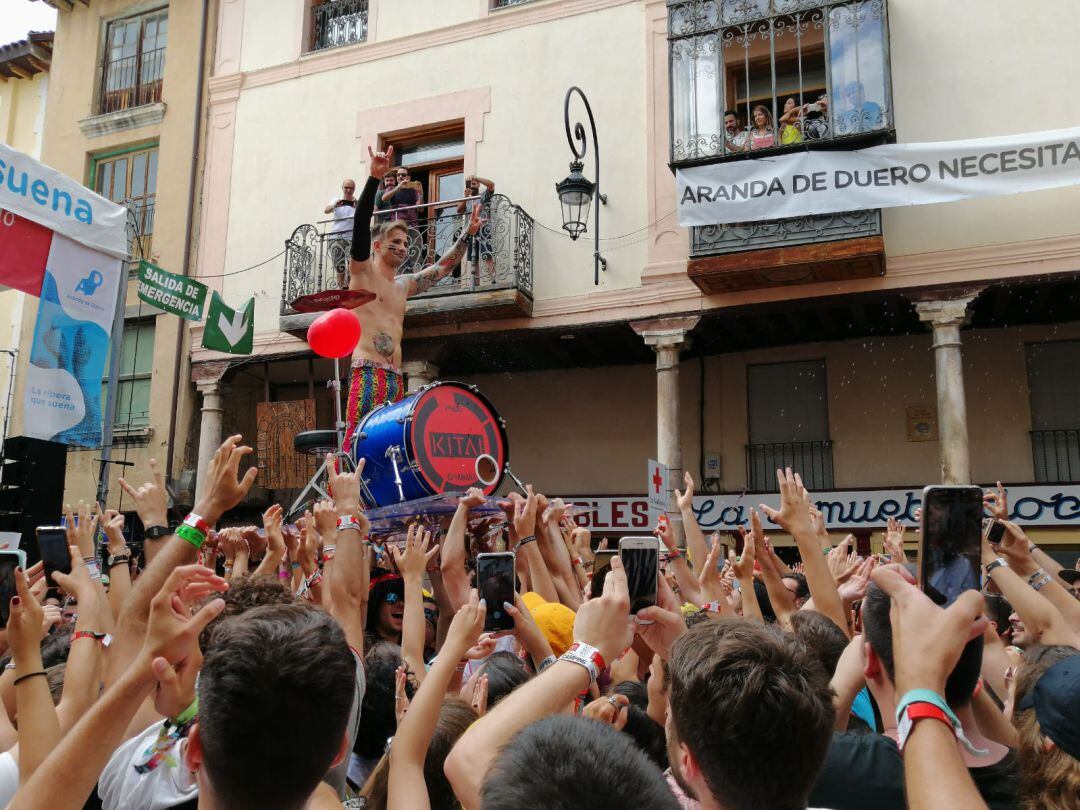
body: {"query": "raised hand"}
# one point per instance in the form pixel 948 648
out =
pixel 709 578
pixel 665 533
pixel 176 683
pixel 466 627
pixel 113 525
pixel 555 510
pixel 346 489
pixel 24 621
pixel 605 622
pixel 894 541
pixel 473 498
pixel 794 513
pixel 837 558
pixel 401 697
pixel 610 710
pixel 224 488
pixel 854 587
pixel 151 499
pixel 927 641
pixel 272 520
pixel 685 499
pixel 82 534
pixel 744 565
pixel 172 630
pixel 77 584
pixel 581 542
pixel 525 514
pixel 997 503
pixel 379 162
pixel 413 560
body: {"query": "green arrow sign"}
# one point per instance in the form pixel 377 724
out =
pixel 229 330
pixel 171 293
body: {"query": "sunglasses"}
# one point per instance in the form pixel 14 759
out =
pixel 392 598
pixel 431 615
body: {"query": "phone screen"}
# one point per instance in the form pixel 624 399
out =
pixel 52 541
pixel 641 559
pixel 9 561
pixel 995 533
pixel 951 540
pixel 495 581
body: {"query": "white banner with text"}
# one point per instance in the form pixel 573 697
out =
pixel 857 509
pixel 826 182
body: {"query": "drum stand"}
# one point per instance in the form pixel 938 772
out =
pixel 318 486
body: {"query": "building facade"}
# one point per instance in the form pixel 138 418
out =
pixel 877 351
pixel 24 86
pixel 123 120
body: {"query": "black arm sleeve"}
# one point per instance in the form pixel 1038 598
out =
pixel 361 234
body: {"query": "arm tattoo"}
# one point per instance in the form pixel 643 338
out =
pixel 429 277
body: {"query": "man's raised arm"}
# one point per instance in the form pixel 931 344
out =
pixel 360 250
pixel 427 278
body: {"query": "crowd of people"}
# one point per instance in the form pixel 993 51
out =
pixel 315 665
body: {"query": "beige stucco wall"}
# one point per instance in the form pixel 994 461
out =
pixel 75 79
pixel 22 125
pixel 591 431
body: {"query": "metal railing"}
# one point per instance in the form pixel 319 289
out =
pixel 1056 454
pixel 499 258
pixel 132 81
pixel 714 240
pixel 338 22
pixel 506 3
pixel 812 460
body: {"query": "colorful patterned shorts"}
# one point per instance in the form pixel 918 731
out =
pixel 372 384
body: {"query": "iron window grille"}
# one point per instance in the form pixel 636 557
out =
pixel 338 22
pixel 830 58
pixel 133 65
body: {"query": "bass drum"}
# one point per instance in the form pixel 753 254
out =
pixel 443 438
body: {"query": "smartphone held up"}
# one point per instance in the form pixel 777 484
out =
pixel 640 558
pixel 55 556
pixel 9 561
pixel 495 580
pixel 951 537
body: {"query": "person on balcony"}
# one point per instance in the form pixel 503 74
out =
pixel 735 135
pixel 480 246
pixel 377 255
pixel 859 115
pixel 762 136
pixel 382 201
pixel 337 236
pixel 406 193
pixel 791 122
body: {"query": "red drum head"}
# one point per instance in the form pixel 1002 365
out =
pixel 452 426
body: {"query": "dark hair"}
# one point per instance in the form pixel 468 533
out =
pixel 245 593
pixel 454 717
pixel 731 112
pixel 57 645
pixel 762 594
pixel 646 732
pixel 277 661
pixel 377 596
pixel 565 763
pixel 877 629
pixel 505 674
pixel 820 636
pixel 802 587
pixel 743 697
pixel 377 717
pixel 636 691
pixel 55 676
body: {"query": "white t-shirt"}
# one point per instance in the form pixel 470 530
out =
pixel 343 217
pixel 167 785
pixel 9 778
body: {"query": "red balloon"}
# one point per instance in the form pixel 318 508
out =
pixel 334 333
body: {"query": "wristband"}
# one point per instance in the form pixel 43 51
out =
pixel 315 578
pixel 196 522
pixel 121 557
pixel 1037 575
pixel 928 696
pixel 93 567
pixel 711 607
pixel 576 561
pixel 1032 546
pixel 674 554
pixel 29 675
pixel 9 665
pixel 283 575
pixel 525 540
pixel 918 711
pixel 185 531
pixel 104 638
pixel 993 564
pixel 349 522
pixel 585 656
pixel 156 532
pixel 1039 584
pixel 547 662
pixel 187 715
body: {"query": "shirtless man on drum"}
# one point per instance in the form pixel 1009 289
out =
pixel 376 255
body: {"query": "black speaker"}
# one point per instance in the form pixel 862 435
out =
pixel 31 488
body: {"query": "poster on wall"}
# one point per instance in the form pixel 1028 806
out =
pixel 64 244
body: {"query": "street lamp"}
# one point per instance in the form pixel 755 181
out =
pixel 576 191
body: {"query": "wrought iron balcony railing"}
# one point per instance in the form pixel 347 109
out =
pixel 506 3
pixel 132 81
pixel 500 258
pixel 813 460
pixel 1056 454
pixel 713 240
pixel 338 22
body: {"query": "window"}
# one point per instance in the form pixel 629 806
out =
pixel 338 22
pixel 136 366
pixel 758 75
pixel 134 61
pixel 789 424
pixel 131 178
pixel 1054 389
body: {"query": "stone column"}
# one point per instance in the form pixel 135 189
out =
pixel 667 337
pixel 418 373
pixel 207 378
pixel 945 317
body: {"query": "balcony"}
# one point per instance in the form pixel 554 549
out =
pixel 134 81
pixel 1056 454
pixel 813 460
pixel 338 22
pixel 317 259
pixel 779 252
